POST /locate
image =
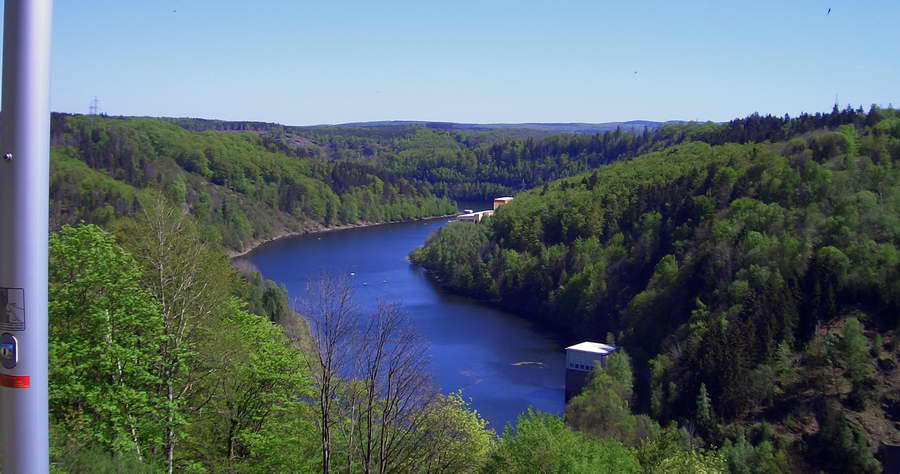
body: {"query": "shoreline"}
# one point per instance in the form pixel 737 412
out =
pixel 233 254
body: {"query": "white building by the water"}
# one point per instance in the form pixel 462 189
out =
pixel 580 361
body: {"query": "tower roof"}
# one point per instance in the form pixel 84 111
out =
pixel 593 347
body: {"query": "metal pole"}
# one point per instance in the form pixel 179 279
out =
pixel 24 216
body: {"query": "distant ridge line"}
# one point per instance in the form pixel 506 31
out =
pixel 570 127
pixel 633 126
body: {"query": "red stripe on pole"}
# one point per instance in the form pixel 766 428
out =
pixel 15 381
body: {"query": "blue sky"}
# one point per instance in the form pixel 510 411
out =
pixel 310 62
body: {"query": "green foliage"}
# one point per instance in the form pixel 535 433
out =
pixel 661 391
pixel 838 446
pixel 455 254
pixel 668 452
pixel 618 367
pixel 465 168
pixel 193 284
pixel 288 442
pixel 156 365
pixel 543 443
pixel 81 193
pixel 854 347
pixel 457 440
pixel 877 342
pixel 602 409
pixel 784 362
pixel 95 459
pixel 705 415
pixel 850 135
pixel 714 262
pixel 742 457
pixel 150 353
pixel 268 179
pixel 255 371
pixel 105 334
pixel 266 298
pixel 235 183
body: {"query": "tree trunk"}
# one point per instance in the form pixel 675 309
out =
pixel 231 429
pixel 324 404
pixel 170 433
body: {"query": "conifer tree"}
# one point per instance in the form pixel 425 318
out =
pixel 704 408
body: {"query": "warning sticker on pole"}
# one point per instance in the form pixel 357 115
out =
pixel 12 309
pixel 15 381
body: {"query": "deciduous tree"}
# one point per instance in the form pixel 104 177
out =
pixel 105 335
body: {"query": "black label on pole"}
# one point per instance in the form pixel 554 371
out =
pixel 12 309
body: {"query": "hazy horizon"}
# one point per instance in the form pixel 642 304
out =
pixel 381 121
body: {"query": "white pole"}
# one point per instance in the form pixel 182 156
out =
pixel 24 216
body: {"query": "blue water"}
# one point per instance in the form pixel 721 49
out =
pixel 472 347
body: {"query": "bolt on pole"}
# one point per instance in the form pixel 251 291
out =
pixel 24 225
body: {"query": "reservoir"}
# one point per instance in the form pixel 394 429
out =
pixel 499 361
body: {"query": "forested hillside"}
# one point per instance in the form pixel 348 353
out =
pixel 754 284
pixel 479 164
pixel 165 358
pixel 754 280
pixel 462 166
pixel 241 188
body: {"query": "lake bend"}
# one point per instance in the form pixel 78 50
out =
pixel 499 361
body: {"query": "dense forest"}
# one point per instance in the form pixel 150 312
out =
pixel 479 164
pixel 463 166
pixel 239 187
pixel 159 364
pixel 751 269
pixel 164 357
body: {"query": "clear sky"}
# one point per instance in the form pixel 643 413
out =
pixel 330 61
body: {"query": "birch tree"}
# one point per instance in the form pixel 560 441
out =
pixel 186 277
